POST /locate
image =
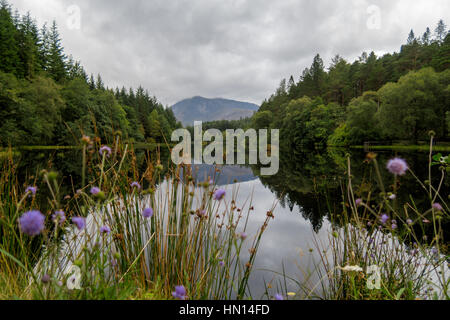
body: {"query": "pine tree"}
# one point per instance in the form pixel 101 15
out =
pixel 9 52
pixel 28 43
pixel 440 31
pixel 44 47
pixel 99 84
pixel 56 57
pixel 92 82
pixel 426 38
pixel 318 75
pixel 411 37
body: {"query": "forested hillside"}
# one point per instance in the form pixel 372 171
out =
pixel 47 98
pixel 399 96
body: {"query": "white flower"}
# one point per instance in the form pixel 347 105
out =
pixel 74 279
pixel 351 268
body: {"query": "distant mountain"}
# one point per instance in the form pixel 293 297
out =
pixel 202 109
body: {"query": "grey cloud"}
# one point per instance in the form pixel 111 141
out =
pixel 233 49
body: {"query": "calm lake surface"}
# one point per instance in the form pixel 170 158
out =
pixel 307 192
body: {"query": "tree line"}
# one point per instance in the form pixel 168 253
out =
pixel 399 96
pixel 47 98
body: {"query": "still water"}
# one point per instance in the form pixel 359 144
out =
pixel 306 192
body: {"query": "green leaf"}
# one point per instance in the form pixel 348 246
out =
pixel 399 293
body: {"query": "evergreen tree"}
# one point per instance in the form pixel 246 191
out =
pixel 440 31
pixel 9 51
pixel 56 56
pixel 411 37
pixel 426 38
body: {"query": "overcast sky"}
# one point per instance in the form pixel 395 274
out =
pixel 233 49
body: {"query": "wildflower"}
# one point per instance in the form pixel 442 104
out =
pixel 221 263
pixel 278 297
pixel 437 206
pixel 243 235
pixel 45 279
pixel 136 185
pixel 59 216
pixel 409 221
pixel 105 149
pixel 32 223
pixel 86 140
pixel 369 223
pixel 105 229
pixel 95 191
pixel 397 166
pixel 291 294
pixel 351 268
pixel 384 218
pixel 219 194
pixel 31 190
pixel 179 293
pixel 434 251
pixel 74 279
pixel 392 197
pixel 80 222
pixel 426 221
pixel 394 226
pixel 358 202
pixel 147 213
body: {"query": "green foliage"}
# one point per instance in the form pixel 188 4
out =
pixel 47 99
pixel 398 96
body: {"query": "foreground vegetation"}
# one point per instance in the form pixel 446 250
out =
pixel 125 235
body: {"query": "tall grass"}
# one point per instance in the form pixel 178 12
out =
pixel 401 256
pixel 191 239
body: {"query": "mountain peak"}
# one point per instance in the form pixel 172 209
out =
pixel 205 109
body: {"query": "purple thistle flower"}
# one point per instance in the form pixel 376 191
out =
pixel 32 223
pixel 397 166
pixel 80 222
pixel 31 190
pixel 105 229
pixel 437 206
pixel 136 185
pixel 179 293
pixel 243 235
pixel 221 263
pixel 105 149
pixel 147 213
pixel 279 297
pixel 59 216
pixel 384 218
pixel 394 226
pixel 95 191
pixel 358 202
pixel 219 194
pixel 45 279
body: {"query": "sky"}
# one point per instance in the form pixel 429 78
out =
pixel 233 49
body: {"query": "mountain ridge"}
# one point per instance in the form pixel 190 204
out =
pixel 199 108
